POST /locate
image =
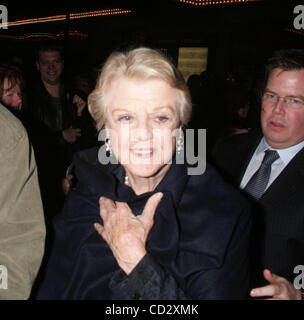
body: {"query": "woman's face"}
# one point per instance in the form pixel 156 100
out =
pixel 11 97
pixel 141 118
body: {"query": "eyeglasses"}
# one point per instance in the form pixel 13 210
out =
pixel 292 102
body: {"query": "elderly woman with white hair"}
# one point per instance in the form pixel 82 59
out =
pixel 138 226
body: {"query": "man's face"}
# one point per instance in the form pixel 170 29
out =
pixel 283 125
pixel 50 66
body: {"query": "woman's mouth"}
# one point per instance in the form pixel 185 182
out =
pixel 142 153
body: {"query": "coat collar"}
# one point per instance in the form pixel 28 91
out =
pixel 90 172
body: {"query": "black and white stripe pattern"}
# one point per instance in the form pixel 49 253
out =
pixel 258 182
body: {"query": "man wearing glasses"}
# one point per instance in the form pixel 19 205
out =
pixel 269 168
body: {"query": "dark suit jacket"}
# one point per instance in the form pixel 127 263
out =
pixel 52 152
pixel 278 232
pixel 44 108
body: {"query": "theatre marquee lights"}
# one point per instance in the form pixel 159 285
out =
pixel 62 17
pixel 299 32
pixel 73 34
pixel 211 2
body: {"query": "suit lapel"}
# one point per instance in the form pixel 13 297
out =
pixel 288 182
pixel 245 156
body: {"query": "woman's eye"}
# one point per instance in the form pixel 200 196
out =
pixel 162 119
pixel 124 118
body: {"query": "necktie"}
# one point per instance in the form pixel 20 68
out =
pixel 258 182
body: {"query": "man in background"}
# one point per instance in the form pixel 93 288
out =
pixel 269 167
pixel 53 111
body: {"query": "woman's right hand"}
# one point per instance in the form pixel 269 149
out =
pixel 125 233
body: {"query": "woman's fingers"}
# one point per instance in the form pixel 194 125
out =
pixel 108 203
pixel 118 216
pixel 105 206
pixel 100 229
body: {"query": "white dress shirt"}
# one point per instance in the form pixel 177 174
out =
pixel 277 167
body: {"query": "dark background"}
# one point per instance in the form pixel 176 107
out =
pixel 239 36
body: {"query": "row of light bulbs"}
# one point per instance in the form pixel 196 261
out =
pixel 296 31
pixel 107 12
pixel 44 35
pixel 210 2
pixel 79 15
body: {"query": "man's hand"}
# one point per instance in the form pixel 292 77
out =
pixel 80 104
pixel 70 135
pixel 278 289
pixel 125 233
pixel 66 184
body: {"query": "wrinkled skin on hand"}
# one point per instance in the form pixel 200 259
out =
pixel 125 233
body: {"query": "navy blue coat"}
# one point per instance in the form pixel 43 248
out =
pixel 199 238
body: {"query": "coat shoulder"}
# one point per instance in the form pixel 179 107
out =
pixel 236 142
pixel 12 131
pixel 212 188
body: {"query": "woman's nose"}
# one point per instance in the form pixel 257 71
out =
pixel 144 131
